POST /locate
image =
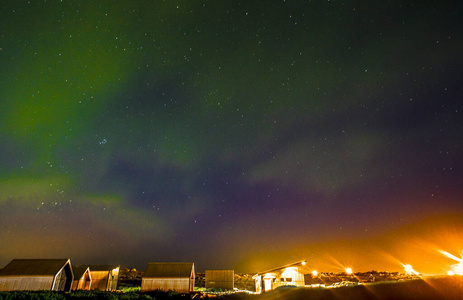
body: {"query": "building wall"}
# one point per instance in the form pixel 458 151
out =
pixel 112 280
pixel 99 280
pixel 292 276
pixel 258 282
pixel 180 285
pixel 23 283
pixel 220 279
pixel 82 283
pixel 63 280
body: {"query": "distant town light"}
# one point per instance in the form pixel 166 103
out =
pixel 349 271
pixel 457 268
pixel 409 270
pixel 303 263
pixel 314 273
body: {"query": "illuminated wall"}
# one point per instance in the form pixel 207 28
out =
pixel 286 276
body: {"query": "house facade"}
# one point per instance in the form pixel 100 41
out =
pixel 220 279
pixel 104 277
pixel 178 277
pixel 82 278
pixel 37 275
pixel 287 275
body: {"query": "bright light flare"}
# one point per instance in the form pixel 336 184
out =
pixel 349 271
pixel 314 273
pixel 449 255
pixel 409 270
pixel 456 269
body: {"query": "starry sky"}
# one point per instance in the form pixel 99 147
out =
pixel 234 134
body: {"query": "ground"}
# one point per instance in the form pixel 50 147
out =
pixel 427 288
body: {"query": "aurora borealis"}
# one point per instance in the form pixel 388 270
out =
pixel 235 134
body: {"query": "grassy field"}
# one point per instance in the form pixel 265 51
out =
pixel 431 288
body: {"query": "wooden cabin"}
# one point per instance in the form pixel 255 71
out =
pixel 104 277
pixel 82 278
pixel 178 277
pixel 220 279
pixel 37 275
pixel 287 275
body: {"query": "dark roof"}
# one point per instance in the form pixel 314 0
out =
pixel 101 267
pixel 169 270
pixel 79 272
pixel 298 263
pixel 34 267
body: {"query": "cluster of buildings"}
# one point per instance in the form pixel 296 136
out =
pixel 60 275
pixel 57 275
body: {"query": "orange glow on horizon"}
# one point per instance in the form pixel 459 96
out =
pixel 416 243
pixel 456 269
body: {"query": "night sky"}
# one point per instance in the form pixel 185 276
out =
pixel 235 134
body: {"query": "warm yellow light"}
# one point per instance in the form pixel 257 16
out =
pixel 303 263
pixel 314 273
pixel 349 270
pixel 457 268
pixel 450 273
pixel 408 269
pixel 449 255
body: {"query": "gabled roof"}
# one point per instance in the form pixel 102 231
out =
pixel 298 263
pixel 79 271
pixel 169 270
pixel 101 267
pixel 34 267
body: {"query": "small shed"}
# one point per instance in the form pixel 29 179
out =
pixel 82 278
pixel 104 277
pixel 37 275
pixel 178 277
pixel 287 275
pixel 220 279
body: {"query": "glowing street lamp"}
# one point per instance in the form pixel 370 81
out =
pixel 457 268
pixel 349 271
pixel 409 270
pixel 314 273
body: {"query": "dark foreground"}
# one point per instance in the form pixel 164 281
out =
pixel 435 288
pixel 431 288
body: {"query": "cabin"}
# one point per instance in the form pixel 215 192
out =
pixel 104 277
pixel 178 277
pixel 37 275
pixel 287 275
pixel 82 278
pixel 220 279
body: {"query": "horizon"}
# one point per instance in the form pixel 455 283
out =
pixel 428 237
pixel 233 135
